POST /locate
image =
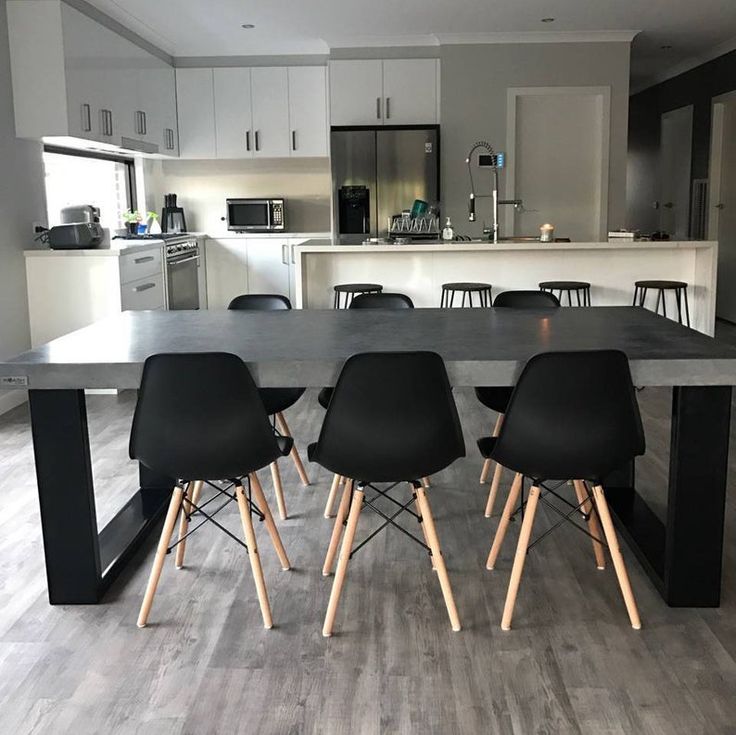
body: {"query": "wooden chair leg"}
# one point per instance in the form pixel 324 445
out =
pixel 594 527
pixel 423 527
pixel 158 562
pixel 508 511
pixel 195 488
pixel 284 429
pixel 273 532
pixel 342 514
pixel 520 558
pixel 425 482
pixel 255 559
pixel 618 560
pixel 342 564
pixel 331 497
pixel 434 545
pixel 493 492
pixel 278 490
pixel 487 464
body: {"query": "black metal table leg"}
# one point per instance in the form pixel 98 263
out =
pixel 80 562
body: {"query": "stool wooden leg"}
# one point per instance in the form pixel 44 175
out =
pixel 255 559
pixel 487 463
pixel 434 544
pixel 520 558
pixel 342 564
pixel 284 429
pixel 618 560
pixel 278 490
pixel 273 532
pixel 423 527
pixel 193 491
pixel 342 514
pixel 505 520
pixel 425 482
pixel 331 497
pixel 493 492
pixel 594 527
pixel 158 561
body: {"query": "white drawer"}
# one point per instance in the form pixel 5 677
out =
pixel 146 293
pixel 135 266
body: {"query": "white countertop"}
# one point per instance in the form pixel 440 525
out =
pixel 116 249
pixel 268 235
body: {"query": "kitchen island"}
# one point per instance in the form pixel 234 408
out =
pixel 419 269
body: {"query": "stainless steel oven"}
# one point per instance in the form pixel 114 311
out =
pixel 256 215
pixel 182 273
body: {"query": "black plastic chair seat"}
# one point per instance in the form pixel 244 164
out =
pixel 325 396
pixel 276 400
pixel 667 285
pixel 486 445
pixel 494 397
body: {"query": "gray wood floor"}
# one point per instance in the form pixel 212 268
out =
pixel 206 665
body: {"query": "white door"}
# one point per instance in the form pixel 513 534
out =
pixel 270 99
pixel 233 116
pixel 410 91
pixel 226 265
pixel 356 92
pixel 268 266
pixel 196 113
pixel 674 165
pixel 722 221
pixel 557 162
pixel 308 110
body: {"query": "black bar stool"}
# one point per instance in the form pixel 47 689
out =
pixel 568 287
pixel 408 428
pixel 275 400
pixel 346 292
pixel 661 287
pixel 572 415
pixel 483 290
pixel 199 419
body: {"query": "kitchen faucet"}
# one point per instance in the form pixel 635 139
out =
pixel 494 161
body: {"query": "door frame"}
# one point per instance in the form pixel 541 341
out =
pixel 690 111
pixel 715 165
pixel 603 93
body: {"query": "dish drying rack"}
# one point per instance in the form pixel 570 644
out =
pixel 424 226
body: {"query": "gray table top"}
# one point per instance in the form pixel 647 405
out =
pixel 308 347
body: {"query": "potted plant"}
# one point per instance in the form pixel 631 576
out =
pixel 132 220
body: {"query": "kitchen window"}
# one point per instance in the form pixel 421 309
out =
pixel 78 177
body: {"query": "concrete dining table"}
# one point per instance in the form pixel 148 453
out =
pixel 681 554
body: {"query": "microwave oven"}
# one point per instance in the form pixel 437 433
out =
pixel 255 215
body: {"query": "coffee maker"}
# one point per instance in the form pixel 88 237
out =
pixel 172 216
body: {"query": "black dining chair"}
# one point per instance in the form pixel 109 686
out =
pixel 363 301
pixel 276 400
pixel 497 397
pixel 408 429
pixel 571 415
pixel 199 419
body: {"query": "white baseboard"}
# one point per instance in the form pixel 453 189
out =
pixel 12 399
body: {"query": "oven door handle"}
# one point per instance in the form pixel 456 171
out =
pixel 182 261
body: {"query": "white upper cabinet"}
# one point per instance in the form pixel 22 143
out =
pixel 270 101
pixel 196 113
pixel 384 92
pixel 308 111
pixel 74 78
pixel 233 113
pixel 356 92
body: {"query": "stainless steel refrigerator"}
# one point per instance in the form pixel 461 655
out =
pixel 377 173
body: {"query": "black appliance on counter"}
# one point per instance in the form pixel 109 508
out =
pixel 354 210
pixel 172 216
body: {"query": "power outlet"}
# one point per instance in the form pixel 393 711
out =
pixel 38 228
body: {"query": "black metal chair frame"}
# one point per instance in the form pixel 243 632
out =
pixel 640 296
pixel 349 295
pixel 447 300
pixel 569 292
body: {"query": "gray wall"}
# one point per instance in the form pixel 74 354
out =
pixel 22 201
pixel 473 107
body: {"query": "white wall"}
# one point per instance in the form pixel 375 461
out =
pixel 203 187
pixel 22 201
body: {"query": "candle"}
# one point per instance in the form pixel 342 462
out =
pixel 546 233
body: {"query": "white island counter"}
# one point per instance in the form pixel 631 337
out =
pixel 420 269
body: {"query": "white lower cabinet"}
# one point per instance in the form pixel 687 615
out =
pixel 268 266
pixel 227 270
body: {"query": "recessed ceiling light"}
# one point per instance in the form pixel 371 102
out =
pixel 548 20
pixel 247 26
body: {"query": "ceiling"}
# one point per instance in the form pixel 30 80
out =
pixel 695 29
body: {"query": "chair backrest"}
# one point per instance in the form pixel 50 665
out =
pixel 526 299
pixel 381 301
pixel 260 302
pixel 572 415
pixel 199 417
pixel 392 417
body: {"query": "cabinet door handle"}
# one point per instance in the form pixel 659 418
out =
pixel 86 118
pixel 378 108
pixel 258 141
pixel 293 255
pixel 388 108
pixel 144 287
pixel 138 124
pixel 247 140
pixel 284 256
pixel 145 259
pixel 145 123
pixel 293 140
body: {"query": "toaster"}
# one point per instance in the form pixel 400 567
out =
pixel 80 213
pixel 75 236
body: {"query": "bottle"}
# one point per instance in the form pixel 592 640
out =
pixel 448 233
